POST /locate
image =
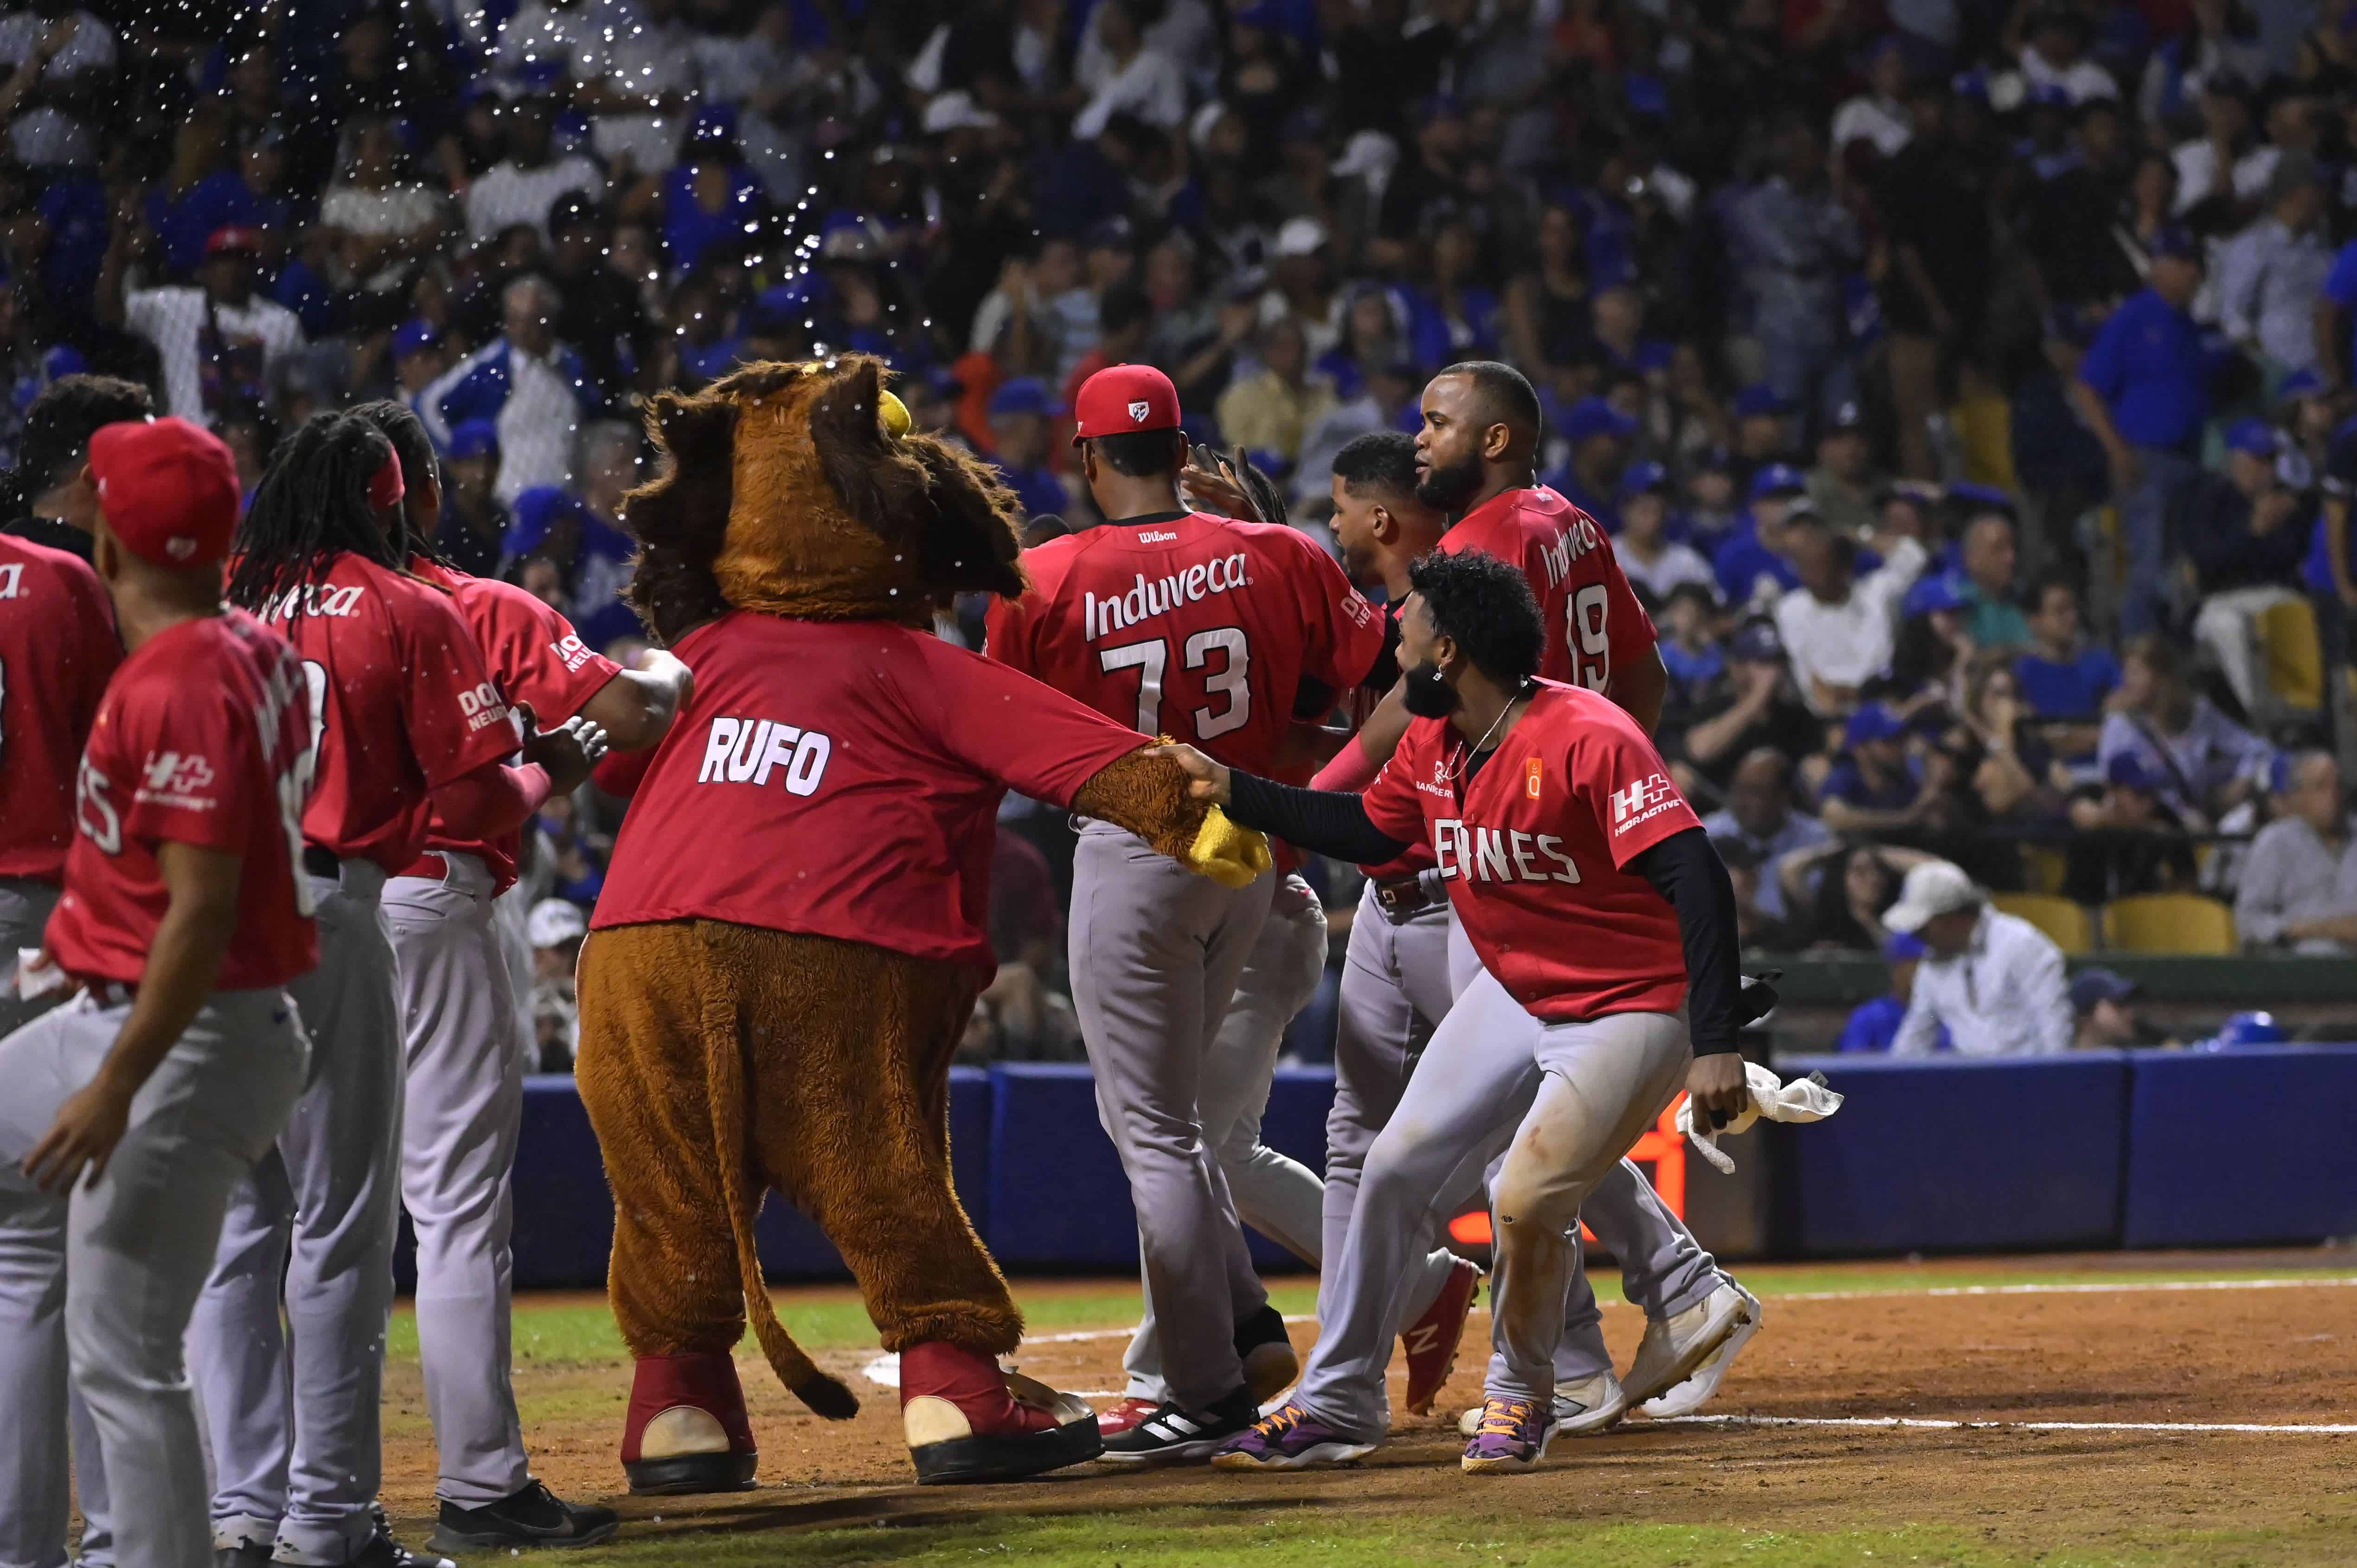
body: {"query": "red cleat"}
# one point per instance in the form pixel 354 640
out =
pixel 686 1430
pixel 1431 1340
pixel 966 1420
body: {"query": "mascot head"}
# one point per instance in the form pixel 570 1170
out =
pixel 799 491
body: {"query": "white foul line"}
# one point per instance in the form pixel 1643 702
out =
pixel 2321 1429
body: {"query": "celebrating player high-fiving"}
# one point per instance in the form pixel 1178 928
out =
pixel 404 714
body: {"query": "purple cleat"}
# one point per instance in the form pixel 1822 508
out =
pixel 1513 1435
pixel 1292 1439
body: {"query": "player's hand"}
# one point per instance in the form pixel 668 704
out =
pixel 1217 491
pixel 1717 1085
pixel 1206 780
pixel 568 752
pixel 89 1124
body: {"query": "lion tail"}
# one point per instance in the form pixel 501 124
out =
pixel 725 1072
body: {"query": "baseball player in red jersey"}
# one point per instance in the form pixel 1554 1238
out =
pixel 1599 911
pixel 1474 457
pixel 56 649
pixel 1223 632
pixel 463 1084
pixel 136 1108
pixel 406 713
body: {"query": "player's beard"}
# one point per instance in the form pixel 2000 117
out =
pixel 1448 489
pixel 1425 694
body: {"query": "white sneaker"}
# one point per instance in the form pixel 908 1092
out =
pixel 1580 1409
pixel 1672 1348
pixel 1702 1386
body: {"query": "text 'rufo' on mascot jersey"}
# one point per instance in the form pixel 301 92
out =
pixel 1544 830
pixel 535 657
pixel 1198 627
pixel 204 738
pixel 1594 623
pixel 402 705
pixel 56 649
pixel 826 778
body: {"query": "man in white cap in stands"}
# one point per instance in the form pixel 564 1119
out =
pixel 1994 979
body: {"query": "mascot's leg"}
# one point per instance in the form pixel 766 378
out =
pixel 850 1046
pixel 682 1205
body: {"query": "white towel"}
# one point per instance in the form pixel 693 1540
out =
pixel 1803 1099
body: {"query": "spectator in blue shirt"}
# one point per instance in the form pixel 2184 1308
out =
pixel 2064 676
pixel 1751 564
pixel 1871 789
pixel 1758 814
pixel 1874 1025
pixel 1019 412
pixel 2142 389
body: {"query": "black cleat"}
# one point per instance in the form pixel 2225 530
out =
pixel 1172 1435
pixel 532 1517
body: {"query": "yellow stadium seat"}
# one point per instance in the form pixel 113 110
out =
pixel 2295 654
pixel 2045 868
pixel 2065 923
pixel 2168 923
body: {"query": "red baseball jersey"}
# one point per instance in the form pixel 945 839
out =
pixel 57 649
pixel 402 703
pixel 1534 849
pixel 204 738
pixel 1594 623
pixel 1192 626
pixel 535 658
pixel 842 779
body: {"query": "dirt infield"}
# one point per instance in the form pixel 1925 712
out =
pixel 2142 1364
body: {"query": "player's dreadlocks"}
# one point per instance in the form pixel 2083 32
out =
pixel 399 423
pixel 313 506
pixel 1484 605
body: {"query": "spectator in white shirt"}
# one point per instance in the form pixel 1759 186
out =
pixel 2300 884
pixel 1645 553
pixel 1839 630
pixel 1993 979
pixel 637 82
pixel 2055 55
pixel 2271 276
pixel 2225 160
pixel 522 187
pixel 1877 115
pixel 1133 77
pixel 535 389
pixel 218 341
pixel 61 67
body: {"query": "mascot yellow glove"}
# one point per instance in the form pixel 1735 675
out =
pixel 1229 854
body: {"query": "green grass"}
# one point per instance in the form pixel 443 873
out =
pixel 583 1330
pixel 1208 1538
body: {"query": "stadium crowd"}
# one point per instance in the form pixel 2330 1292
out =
pixel 1964 384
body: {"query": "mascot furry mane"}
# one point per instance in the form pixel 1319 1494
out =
pixel 728 524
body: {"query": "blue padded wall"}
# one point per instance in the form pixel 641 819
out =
pixel 2242 1147
pixel 1951 1155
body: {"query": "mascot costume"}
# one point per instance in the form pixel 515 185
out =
pixel 791 939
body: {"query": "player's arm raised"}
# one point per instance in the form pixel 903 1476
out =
pixel 201 886
pixel 636 707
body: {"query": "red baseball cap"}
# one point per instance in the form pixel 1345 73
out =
pixel 1121 398
pixel 168 489
pixel 232 237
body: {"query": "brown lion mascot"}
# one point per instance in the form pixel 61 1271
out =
pixel 790 938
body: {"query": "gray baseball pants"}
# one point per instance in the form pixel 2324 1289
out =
pixel 462 1107
pixel 34 1469
pixel 298 1458
pixel 1280 1197
pixel 1156 953
pixel 122 1263
pixel 1663 1269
